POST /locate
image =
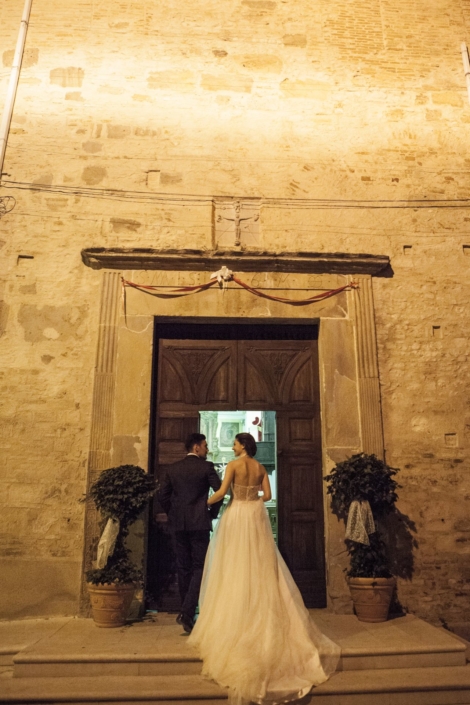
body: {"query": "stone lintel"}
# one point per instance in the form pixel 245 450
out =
pixel 240 261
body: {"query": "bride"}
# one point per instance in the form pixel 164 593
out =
pixel 254 634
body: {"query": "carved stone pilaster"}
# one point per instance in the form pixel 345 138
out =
pixel 368 373
pixel 99 456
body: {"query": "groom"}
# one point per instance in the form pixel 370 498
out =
pixel 183 495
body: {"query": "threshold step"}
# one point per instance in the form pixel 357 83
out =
pixel 411 686
pixel 84 665
pixel 405 686
pixel 159 648
pixel 359 659
pixel 112 689
pixel 30 665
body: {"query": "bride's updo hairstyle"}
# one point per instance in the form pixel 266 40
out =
pixel 248 442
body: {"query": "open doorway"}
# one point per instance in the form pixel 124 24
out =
pixel 262 370
pixel 220 429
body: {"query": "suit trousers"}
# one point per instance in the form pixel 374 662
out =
pixel 191 548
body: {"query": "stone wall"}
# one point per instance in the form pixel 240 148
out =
pixel 174 103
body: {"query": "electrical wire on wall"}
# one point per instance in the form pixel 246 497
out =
pixel 202 199
pixel 7 203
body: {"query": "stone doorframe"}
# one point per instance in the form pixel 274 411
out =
pixel 349 389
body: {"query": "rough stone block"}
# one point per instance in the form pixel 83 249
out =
pixel 236 83
pixel 31 588
pixel 30 57
pixel 295 40
pixel 70 77
pixel 448 98
pixel 306 88
pixel 263 63
pixel 181 81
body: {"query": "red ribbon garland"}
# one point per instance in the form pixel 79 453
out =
pixel 301 302
pixel 186 290
pixel 174 293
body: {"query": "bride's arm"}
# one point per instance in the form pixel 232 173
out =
pixel 226 482
pixel 266 487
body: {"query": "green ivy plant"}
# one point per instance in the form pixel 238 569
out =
pixel 120 493
pixel 365 477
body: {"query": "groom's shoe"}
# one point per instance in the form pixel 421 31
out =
pixel 186 622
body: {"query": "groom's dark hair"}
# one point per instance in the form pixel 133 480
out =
pixel 248 442
pixel 194 439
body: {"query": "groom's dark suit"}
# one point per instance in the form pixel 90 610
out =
pixel 183 494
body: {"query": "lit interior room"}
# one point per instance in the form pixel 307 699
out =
pixel 220 429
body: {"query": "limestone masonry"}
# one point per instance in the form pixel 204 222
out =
pixel 345 126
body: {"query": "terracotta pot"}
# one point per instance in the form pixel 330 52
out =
pixel 371 597
pixel 110 603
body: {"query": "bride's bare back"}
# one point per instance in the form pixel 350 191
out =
pixel 244 471
pixel 247 471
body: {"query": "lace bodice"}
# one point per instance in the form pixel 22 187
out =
pixel 245 493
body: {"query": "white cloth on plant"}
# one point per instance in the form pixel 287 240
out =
pixel 107 542
pixel 360 522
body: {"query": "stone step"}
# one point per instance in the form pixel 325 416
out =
pixel 17 635
pixel 80 649
pixel 96 664
pixel 81 665
pixel 190 690
pixel 407 686
pixel 412 686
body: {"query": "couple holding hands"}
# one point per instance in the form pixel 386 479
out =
pixel 254 633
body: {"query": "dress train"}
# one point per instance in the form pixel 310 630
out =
pixel 254 634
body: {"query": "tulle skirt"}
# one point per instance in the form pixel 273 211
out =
pixel 254 634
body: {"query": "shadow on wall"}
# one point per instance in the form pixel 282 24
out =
pixel 400 539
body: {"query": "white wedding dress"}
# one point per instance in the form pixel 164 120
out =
pixel 254 634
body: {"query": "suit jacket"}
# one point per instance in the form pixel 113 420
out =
pixel 183 493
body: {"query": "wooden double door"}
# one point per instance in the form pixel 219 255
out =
pixel 247 374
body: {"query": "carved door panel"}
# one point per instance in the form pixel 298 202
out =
pixel 300 503
pixel 192 376
pixel 162 583
pixel 198 373
pixel 282 375
pixel 275 374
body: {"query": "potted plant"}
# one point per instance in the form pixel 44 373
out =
pixel 120 494
pixel 352 484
